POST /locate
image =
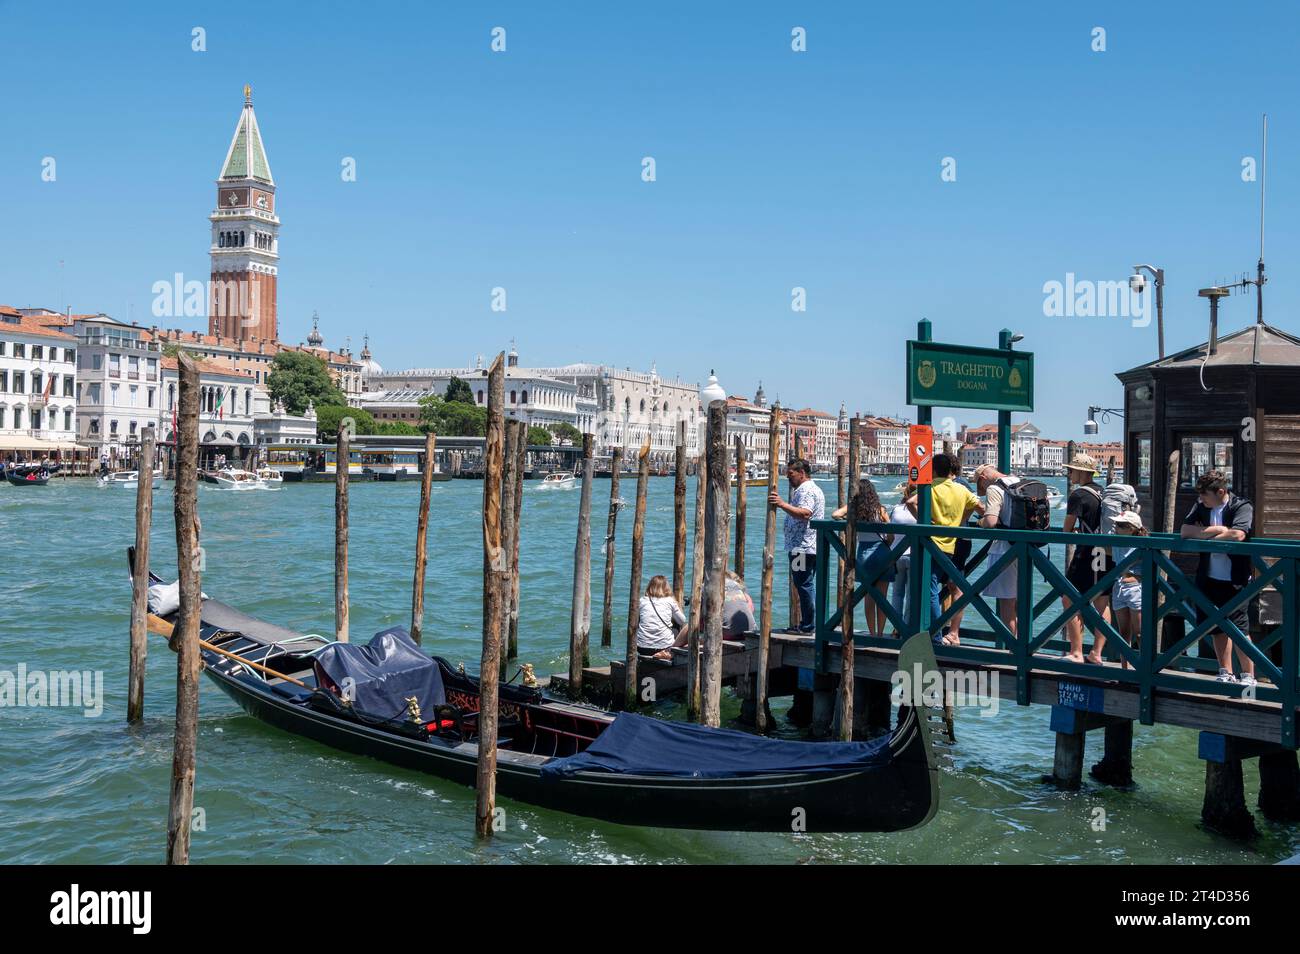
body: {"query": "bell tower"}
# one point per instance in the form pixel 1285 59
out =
pixel 245 238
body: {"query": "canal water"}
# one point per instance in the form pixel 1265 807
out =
pixel 86 789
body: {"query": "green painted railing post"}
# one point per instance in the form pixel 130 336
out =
pixel 1004 417
pixel 822 631
pixel 1290 651
pixel 1147 651
pixel 1024 620
pixel 924 514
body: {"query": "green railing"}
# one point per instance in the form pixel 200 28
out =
pixel 1040 619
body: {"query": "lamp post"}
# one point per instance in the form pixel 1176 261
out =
pixel 1137 282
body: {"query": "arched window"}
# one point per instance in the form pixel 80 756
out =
pixel 525 400
pixel 221 240
pixel 480 397
pixel 512 398
pixel 643 405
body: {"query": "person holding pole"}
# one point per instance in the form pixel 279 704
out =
pixel 807 503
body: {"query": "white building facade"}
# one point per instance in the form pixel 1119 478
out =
pixel 38 396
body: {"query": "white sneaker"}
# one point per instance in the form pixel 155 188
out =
pixel 1225 676
pixel 1246 679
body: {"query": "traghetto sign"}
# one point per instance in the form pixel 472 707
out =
pixel 946 375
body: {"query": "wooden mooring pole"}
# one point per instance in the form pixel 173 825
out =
pixel 738 561
pixel 514 433
pixel 634 599
pixel 679 518
pixel 185 636
pixel 611 525
pixel 521 462
pixel 422 538
pixel 140 582
pixel 696 616
pixel 769 566
pixel 495 569
pixel 841 471
pixel 341 468
pixel 580 615
pixel 715 567
pixel 847 668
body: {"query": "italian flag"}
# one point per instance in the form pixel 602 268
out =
pixel 221 399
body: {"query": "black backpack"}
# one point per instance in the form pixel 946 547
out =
pixel 1024 506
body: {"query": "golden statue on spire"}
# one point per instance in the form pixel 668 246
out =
pixel 248 93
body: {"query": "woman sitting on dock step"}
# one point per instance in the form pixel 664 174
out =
pixel 661 624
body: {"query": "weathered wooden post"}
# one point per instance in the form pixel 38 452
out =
pixel 841 470
pixel 607 612
pixel 185 635
pixel 495 569
pixel 679 518
pixel 696 617
pixel 509 474
pixel 421 538
pixel 848 669
pixel 521 463
pixel 580 616
pixel 634 601
pixel 738 562
pixel 1069 547
pixel 715 567
pixel 769 565
pixel 341 468
pixel 140 582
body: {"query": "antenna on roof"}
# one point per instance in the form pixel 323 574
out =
pixel 1263 186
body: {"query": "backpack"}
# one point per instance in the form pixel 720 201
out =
pixel 1115 499
pixel 1024 505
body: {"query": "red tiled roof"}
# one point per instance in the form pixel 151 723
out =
pixel 30 326
pixel 207 366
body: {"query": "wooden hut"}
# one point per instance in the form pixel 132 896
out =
pixel 1233 406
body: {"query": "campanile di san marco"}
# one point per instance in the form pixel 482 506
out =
pixel 245 238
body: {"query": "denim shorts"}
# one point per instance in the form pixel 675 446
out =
pixel 875 562
pixel 1126 596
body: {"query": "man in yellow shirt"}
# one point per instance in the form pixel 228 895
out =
pixel 951 504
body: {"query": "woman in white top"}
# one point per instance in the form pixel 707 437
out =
pixel 903 512
pixel 660 623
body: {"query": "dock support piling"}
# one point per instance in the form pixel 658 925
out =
pixel 495 570
pixel 185 635
pixel 696 617
pixel 1067 768
pixel 1116 765
pixel 715 567
pixel 140 582
pixel 422 538
pixel 762 718
pixel 634 599
pixel 341 468
pixel 847 668
pixel 580 614
pixel 1224 807
pixel 607 611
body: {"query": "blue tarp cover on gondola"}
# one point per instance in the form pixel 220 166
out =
pixel 638 745
pixel 380 676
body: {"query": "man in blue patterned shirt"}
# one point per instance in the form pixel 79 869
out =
pixel 806 503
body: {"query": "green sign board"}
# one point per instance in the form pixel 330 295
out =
pixel 946 375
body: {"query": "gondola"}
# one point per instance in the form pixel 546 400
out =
pixel 28 476
pixel 406 708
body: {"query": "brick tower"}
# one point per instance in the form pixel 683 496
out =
pixel 245 242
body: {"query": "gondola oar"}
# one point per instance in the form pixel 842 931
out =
pixel 160 627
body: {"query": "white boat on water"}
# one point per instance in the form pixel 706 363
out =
pixel 231 479
pixel 129 480
pixel 558 481
pixel 271 478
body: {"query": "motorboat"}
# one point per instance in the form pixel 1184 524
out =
pixel 230 478
pixel 128 480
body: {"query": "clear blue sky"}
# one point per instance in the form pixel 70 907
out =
pixel 775 169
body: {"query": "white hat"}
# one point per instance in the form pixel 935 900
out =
pixel 1129 517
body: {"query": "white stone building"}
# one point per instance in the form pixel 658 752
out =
pixel 38 396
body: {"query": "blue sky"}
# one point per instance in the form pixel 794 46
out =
pixel 775 169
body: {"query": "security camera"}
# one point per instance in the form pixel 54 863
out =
pixel 1137 282
pixel 1090 428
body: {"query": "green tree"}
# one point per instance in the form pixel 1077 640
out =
pixel 328 417
pixel 452 418
pixel 459 391
pixel 395 428
pixel 298 378
pixel 538 436
pixel 566 432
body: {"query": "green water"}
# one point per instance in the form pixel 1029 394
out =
pixel 88 789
